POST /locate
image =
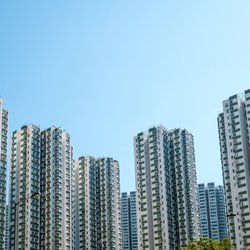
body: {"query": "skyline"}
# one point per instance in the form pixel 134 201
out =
pixel 105 72
pixel 91 154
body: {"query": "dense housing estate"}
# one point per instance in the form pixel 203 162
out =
pixel 59 203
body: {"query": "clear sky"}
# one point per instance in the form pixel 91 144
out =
pixel 107 70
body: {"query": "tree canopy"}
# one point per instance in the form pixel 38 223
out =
pixel 209 244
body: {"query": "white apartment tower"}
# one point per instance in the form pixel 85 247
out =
pixel 3 168
pixel 6 228
pixel 24 181
pixel 212 210
pixel 56 190
pixel 203 211
pixel 97 221
pixel 85 203
pixel 221 210
pixel 167 208
pixel 155 226
pixel 125 221
pixel 108 216
pixel 129 221
pixel 234 135
pixel 184 186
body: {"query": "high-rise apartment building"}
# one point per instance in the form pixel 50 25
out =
pixel 129 221
pixel 221 210
pixel 108 204
pixel 184 186
pixel 167 205
pixel 125 221
pixel 213 221
pixel 41 163
pixel 24 181
pixel 234 128
pixel 3 168
pixel 97 209
pixel 203 211
pixel 133 221
pixel 155 226
pixel 6 241
pixel 85 203
pixel 56 190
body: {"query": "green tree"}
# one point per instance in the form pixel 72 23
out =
pixel 209 244
pixel 225 244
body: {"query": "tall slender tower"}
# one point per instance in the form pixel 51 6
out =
pixel 85 203
pixel 133 221
pixel 203 211
pixel 55 188
pixel 221 211
pixel 24 181
pixel 154 200
pixel 234 130
pixel 3 168
pixel 6 243
pixel 129 221
pixel 213 221
pixel 213 213
pixel 108 214
pixel 125 221
pixel 97 220
pixel 184 186
pixel 167 206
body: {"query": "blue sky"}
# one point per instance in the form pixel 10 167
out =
pixel 107 70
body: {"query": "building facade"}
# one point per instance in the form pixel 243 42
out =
pixel 41 164
pixel 213 214
pixel 3 168
pixel 133 221
pixel 108 204
pixel 213 220
pixel 85 203
pixel 97 209
pixel 234 128
pixel 167 205
pixel 183 186
pixel 154 200
pixel 203 211
pixel 56 190
pixel 129 221
pixel 24 181
pixel 6 237
pixel 221 210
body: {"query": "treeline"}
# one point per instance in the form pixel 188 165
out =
pixel 208 244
